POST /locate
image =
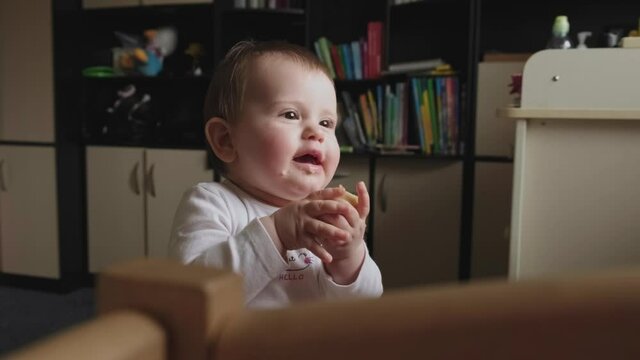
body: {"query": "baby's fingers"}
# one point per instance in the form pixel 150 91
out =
pixel 317 208
pixel 363 200
pixel 318 229
pixel 327 194
pixel 316 246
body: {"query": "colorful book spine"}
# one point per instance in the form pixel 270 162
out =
pixel 374 40
pixel 325 46
pixel 417 90
pixel 369 125
pixel 357 59
pixel 426 121
pixel 365 59
pixel 335 57
pixel 373 110
pixel 388 115
pixel 353 113
pixel 451 116
pixel 379 101
pixel 433 110
pixel 345 56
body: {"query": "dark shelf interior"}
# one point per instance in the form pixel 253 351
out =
pixel 525 26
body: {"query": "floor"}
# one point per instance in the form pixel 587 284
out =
pixel 28 315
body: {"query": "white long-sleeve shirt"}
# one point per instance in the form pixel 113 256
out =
pixel 217 224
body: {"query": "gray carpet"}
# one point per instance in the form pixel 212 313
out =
pixel 28 315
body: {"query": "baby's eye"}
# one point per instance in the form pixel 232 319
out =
pixel 328 123
pixel 290 115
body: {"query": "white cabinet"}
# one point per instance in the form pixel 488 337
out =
pixel 28 208
pixel 132 195
pixel 28 205
pixel 26 71
pixel 416 234
pixel 491 217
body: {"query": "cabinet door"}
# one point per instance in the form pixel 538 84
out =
pixel 169 174
pixel 115 205
pixel 416 237
pixel 352 169
pixel 28 211
pixel 26 71
pixel 491 218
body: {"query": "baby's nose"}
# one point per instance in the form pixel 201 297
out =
pixel 313 132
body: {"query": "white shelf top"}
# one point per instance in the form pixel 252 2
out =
pixel 585 114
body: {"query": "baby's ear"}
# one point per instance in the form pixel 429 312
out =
pixel 219 139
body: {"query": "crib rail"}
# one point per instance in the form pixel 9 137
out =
pixel 121 335
pixel 197 313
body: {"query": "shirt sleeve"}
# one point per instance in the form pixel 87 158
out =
pixel 367 284
pixel 203 233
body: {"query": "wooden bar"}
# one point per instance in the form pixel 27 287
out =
pixel 121 335
pixel 570 318
pixel 193 303
pixel 591 315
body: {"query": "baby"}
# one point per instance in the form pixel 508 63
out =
pixel 271 116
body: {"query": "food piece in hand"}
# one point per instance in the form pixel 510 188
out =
pixel 350 198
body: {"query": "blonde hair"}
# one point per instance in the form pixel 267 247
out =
pixel 227 87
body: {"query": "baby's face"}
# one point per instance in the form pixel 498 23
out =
pixel 285 135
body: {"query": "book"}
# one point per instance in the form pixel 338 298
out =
pixel 373 110
pixel 335 57
pixel 433 111
pixel 345 55
pixel 357 59
pixel 374 41
pixel 414 66
pixel 379 103
pixel 388 115
pixel 352 112
pixel 369 125
pixel 419 115
pixel 366 72
pixel 402 113
pixel 325 46
pixel 451 114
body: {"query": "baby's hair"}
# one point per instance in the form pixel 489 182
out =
pixel 227 88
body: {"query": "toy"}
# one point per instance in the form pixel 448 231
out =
pixel 144 56
pixel 129 116
pixel 582 39
pixel 516 88
pixel 196 52
pixel 560 34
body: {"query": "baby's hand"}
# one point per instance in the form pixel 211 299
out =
pixel 354 223
pixel 298 224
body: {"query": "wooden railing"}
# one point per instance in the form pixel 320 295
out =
pixel 156 309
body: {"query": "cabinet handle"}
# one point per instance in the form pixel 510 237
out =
pixel 133 179
pixel 151 182
pixel 3 181
pixel 382 194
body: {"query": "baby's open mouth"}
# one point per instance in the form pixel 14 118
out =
pixel 307 159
